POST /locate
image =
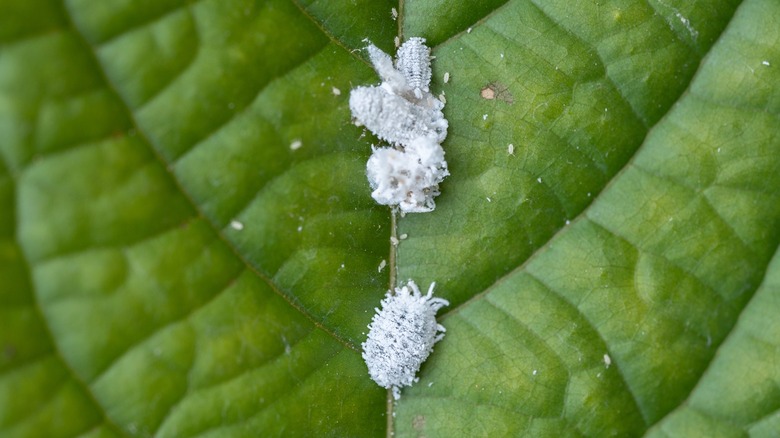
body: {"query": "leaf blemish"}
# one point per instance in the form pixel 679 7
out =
pixel 418 423
pixel 488 93
pixel 496 90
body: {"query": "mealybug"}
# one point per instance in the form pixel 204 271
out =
pixel 402 112
pixel 401 336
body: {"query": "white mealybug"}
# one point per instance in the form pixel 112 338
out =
pixel 409 179
pixel 414 62
pixel 402 112
pixel 401 336
pixel 393 118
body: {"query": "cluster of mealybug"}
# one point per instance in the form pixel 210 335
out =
pixel 403 112
pixel 401 336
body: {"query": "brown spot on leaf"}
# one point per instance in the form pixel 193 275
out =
pixel 418 422
pixel 488 93
pixel 496 90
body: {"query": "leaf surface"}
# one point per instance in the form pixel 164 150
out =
pixel 188 246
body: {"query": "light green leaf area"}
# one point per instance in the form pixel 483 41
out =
pixel 188 246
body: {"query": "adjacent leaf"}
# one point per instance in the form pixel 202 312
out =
pixel 171 266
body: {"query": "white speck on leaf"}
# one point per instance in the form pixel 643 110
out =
pixel 393 241
pixel 687 23
pixel 382 265
pixel 534 373
pixel 336 91
pixel 484 116
pixel 394 12
pixel 403 236
pixel 236 225
pixel 510 149
pixel 607 360
pixel 446 77
pixel 766 63
pixel 401 336
pixel 397 42
pixel 539 180
pixel 468 30
pixel 295 145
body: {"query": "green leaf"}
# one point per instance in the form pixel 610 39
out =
pixel 170 266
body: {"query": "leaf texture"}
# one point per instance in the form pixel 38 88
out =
pixel 170 266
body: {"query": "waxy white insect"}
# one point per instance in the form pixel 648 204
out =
pixel 395 119
pixel 401 336
pixel 409 179
pixel 413 60
pixel 403 112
